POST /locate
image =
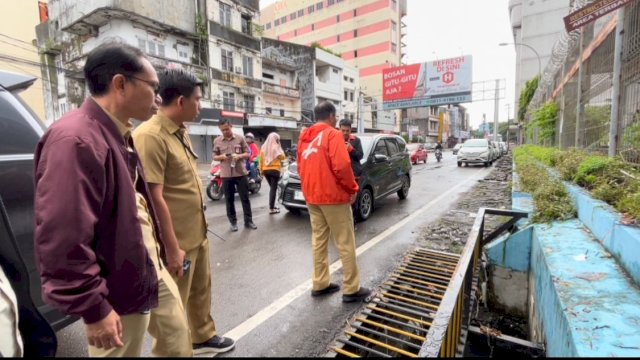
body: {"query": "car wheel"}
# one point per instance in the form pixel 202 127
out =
pixel 364 206
pixel 486 164
pixel 459 163
pixel 404 190
pixel 293 210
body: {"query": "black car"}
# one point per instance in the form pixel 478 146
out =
pixel 386 169
pixel 20 132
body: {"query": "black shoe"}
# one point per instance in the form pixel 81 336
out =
pixel 234 227
pixel 216 344
pixel 358 296
pixel 250 225
pixel 328 290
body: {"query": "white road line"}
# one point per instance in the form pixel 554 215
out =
pixel 263 315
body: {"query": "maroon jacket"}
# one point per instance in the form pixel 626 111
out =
pixel 88 240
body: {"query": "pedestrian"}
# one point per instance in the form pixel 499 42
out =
pixel 329 188
pixel 93 212
pixel 354 148
pixel 231 151
pixel 253 154
pixel 271 157
pixel 176 190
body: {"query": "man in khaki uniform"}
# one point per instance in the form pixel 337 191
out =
pixel 170 168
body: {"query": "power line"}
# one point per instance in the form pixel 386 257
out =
pixel 20 47
pixel 12 38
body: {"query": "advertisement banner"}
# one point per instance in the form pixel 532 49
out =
pixel 439 82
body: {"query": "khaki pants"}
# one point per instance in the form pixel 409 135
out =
pixel 336 220
pixel 134 327
pixel 195 291
pixel 168 324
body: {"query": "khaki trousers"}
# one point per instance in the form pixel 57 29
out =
pixel 134 327
pixel 336 220
pixel 195 291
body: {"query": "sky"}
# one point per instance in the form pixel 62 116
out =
pixel 439 29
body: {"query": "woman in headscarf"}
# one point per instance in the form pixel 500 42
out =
pixel 271 155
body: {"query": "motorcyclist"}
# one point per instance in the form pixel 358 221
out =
pixel 254 152
pixel 439 146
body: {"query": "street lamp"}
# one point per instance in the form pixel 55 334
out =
pixel 532 49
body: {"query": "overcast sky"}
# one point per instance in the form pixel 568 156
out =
pixel 438 29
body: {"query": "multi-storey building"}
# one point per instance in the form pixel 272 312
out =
pixel 215 40
pixel 366 33
pixel 536 24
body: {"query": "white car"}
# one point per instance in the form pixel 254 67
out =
pixel 475 151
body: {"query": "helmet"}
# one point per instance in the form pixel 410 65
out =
pixel 249 135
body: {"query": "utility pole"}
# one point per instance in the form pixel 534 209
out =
pixel 495 111
pixel 360 128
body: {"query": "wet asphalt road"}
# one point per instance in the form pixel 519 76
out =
pixel 261 278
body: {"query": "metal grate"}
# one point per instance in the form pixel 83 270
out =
pixel 396 321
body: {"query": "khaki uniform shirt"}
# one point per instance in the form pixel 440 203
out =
pixel 148 236
pixel 236 145
pixel 168 159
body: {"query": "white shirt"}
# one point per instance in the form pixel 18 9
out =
pixel 10 339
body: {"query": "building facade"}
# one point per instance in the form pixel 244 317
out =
pixel 538 24
pixel 366 34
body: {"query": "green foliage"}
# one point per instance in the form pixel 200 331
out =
pixel 567 163
pixel 631 136
pixel 201 27
pixel 589 168
pixel 317 45
pixel 525 97
pixel 544 119
pixel 597 115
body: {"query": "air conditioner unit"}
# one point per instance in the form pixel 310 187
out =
pixel 238 70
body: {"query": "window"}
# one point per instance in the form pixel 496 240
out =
pixel 225 14
pixel 160 50
pixel 355 53
pixel 394 48
pixel 337 18
pixel 345 78
pixel 246 24
pixel 392 145
pixel 319 6
pixel 330 2
pixel 295 32
pixel 301 13
pixel 152 47
pixel 268 110
pixel 247 66
pixel 355 33
pixel 310 9
pixel 381 148
pixel 335 71
pixel 282 112
pixel 292 16
pixel 401 145
pixel 346 93
pixel 229 101
pixel 313 27
pixel 350 96
pixel 268 26
pixel 394 4
pixel 338 38
pixel 249 104
pixel 142 45
pixel 351 80
pixel 355 12
pixel 276 22
pixel 283 20
pixel 227 60
pixel 267 76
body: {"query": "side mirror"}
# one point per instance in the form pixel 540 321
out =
pixel 379 158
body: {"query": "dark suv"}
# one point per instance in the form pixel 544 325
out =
pixel 386 169
pixel 20 131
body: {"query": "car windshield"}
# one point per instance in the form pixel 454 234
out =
pixel 475 143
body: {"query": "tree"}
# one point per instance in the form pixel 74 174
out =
pixel 525 97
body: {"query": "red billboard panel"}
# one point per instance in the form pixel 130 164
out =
pixel 399 83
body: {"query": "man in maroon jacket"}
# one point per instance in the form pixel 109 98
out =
pixel 97 236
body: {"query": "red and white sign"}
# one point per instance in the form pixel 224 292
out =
pixel 399 83
pixel 449 76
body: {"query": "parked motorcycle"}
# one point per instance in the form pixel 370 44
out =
pixel 214 189
pixel 438 155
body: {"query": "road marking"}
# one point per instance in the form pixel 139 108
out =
pixel 263 315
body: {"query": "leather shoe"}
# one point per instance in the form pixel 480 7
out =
pixel 328 290
pixel 234 227
pixel 360 295
pixel 250 225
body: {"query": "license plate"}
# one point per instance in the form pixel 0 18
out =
pixel 298 195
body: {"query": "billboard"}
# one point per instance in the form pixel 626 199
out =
pixel 439 82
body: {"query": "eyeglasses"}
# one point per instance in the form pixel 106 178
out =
pixel 154 85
